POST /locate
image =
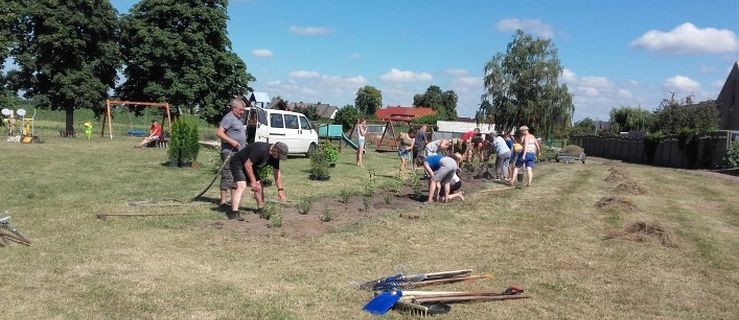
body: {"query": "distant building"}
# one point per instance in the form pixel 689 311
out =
pixel 726 101
pixel 455 129
pixel 602 125
pixel 405 114
pixel 259 99
pixel 325 110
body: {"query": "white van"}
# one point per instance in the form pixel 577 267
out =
pixel 272 125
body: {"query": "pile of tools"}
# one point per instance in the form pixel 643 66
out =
pixel 390 293
pixel 8 233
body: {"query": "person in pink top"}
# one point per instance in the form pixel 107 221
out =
pixel 528 155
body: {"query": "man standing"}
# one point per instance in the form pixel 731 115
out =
pixel 420 144
pixel 233 138
pixel 245 166
pixel 154 132
pixel 504 157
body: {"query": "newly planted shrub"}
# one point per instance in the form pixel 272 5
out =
pixel 184 146
pixel 366 203
pixel 266 175
pixel 269 211
pixel 388 198
pixel 344 196
pixel 327 215
pixel 276 216
pixel 416 184
pixel 304 204
pixel 320 162
pixel 370 183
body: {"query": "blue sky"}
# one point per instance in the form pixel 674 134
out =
pixel 615 53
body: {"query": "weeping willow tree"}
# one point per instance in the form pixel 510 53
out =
pixel 630 119
pixel 522 87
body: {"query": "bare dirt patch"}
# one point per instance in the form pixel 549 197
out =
pixel 616 203
pixel 644 232
pixel 343 213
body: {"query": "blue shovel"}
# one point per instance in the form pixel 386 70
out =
pixel 382 302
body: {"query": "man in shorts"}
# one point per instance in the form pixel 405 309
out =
pixel 245 166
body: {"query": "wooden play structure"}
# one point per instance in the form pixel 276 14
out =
pixel 388 142
pixel 108 118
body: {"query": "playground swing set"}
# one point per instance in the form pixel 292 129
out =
pixel 388 141
pixel 107 118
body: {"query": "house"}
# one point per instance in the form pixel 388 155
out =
pixel 278 103
pixel 726 101
pixel 405 114
pixel 259 99
pixel 324 110
pixel 455 129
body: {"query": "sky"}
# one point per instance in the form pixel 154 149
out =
pixel 614 53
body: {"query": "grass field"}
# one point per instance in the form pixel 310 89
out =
pixel 548 239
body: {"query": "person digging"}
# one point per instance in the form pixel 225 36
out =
pixel 244 167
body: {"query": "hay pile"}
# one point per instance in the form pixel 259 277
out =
pixel 643 232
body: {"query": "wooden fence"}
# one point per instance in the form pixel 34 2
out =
pixel 703 152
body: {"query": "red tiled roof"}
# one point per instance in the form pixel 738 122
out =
pixel 399 113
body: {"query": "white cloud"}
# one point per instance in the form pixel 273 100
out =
pixel 310 31
pixel 683 86
pixel 595 96
pixel 456 72
pixel 568 75
pixel 623 93
pixel 262 53
pixel 396 75
pixel 596 82
pixel 536 27
pixel 311 86
pixel 688 39
pixel 468 84
pixel 304 74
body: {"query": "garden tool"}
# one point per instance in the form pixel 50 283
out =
pixel 8 232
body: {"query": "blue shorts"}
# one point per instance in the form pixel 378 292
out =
pixel 360 143
pixel 405 154
pixel 527 160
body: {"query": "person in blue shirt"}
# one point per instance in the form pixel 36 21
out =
pixel 441 170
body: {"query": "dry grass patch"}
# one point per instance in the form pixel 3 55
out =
pixel 630 187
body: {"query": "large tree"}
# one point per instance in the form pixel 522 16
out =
pixel 445 103
pixel 521 87
pixel 178 51
pixel 630 119
pixel 368 100
pixel 9 21
pixel 67 53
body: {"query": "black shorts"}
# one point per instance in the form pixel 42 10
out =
pixel 238 172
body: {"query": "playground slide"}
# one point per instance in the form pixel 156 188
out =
pixel 349 142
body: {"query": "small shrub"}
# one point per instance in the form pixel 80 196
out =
pixel 344 196
pixel 366 203
pixel 388 199
pixel 304 204
pixel 732 155
pixel 266 174
pixel 320 162
pixel 332 153
pixel 183 146
pixel 370 183
pixel 416 184
pixel 269 211
pixel 327 215
pixel 276 216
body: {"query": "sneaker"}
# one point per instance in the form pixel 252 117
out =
pixel 234 215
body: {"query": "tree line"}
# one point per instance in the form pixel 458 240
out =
pixel 75 53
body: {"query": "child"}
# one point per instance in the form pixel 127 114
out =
pixel 361 132
pixel 405 149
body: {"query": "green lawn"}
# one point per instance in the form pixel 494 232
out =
pixel 548 239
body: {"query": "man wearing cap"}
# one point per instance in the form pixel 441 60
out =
pixel 244 167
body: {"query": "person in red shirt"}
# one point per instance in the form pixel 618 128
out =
pixel 467 138
pixel 155 131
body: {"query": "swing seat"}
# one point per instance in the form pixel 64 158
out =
pixel 137 133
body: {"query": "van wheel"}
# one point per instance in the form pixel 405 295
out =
pixel 311 149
